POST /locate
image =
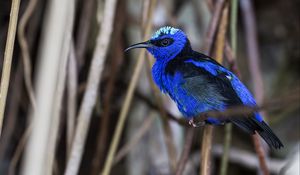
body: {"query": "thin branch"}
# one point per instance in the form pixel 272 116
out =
pixel 222 34
pixel 186 151
pixel 128 98
pixel 140 132
pixel 252 49
pixel 233 25
pixel 71 96
pixel 228 127
pixel 89 98
pixel 227 143
pixel 8 54
pixel 212 29
pixel 254 67
pixel 206 150
pixel 18 152
pixel 116 60
pixel 83 30
pixel 25 51
pixel 243 158
pixel 241 110
pixel 208 129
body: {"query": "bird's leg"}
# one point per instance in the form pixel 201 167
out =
pixel 196 124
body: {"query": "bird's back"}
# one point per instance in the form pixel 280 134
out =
pixel 199 84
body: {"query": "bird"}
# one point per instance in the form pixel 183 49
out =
pixel 198 84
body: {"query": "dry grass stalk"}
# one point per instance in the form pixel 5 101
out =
pixel 8 54
pixel 128 98
pixel 90 95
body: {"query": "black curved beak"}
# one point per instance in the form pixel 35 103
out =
pixel 145 44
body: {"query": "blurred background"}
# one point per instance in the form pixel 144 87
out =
pixel 77 103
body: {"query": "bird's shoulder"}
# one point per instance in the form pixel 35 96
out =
pixel 194 64
pixel 201 74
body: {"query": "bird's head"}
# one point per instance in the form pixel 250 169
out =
pixel 165 43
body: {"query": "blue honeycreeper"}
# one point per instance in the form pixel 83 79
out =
pixel 197 83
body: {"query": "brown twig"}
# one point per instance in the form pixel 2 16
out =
pixel 206 150
pixel 186 151
pixel 25 51
pixel 253 54
pixel 71 96
pixel 208 130
pixel 89 98
pixel 83 30
pixel 140 132
pixel 243 158
pixel 13 107
pixel 128 98
pixel 212 29
pixel 275 104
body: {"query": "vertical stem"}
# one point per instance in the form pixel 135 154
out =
pixel 40 149
pixel 186 151
pixel 8 54
pixel 252 49
pixel 71 96
pixel 208 130
pixel 256 75
pixel 227 141
pixel 128 98
pixel 90 95
pixel 228 127
pixel 206 150
pixel 233 26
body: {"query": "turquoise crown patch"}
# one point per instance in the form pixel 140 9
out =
pixel 164 31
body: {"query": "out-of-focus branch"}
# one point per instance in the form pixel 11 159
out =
pixel 8 54
pixel 83 30
pixel 90 95
pixel 220 51
pixel 128 98
pixel 140 132
pixel 186 151
pixel 25 50
pixel 116 60
pixel 208 130
pixel 252 49
pixel 254 67
pixel 71 96
pixel 60 86
pixel 274 104
pixel 233 35
pixel 206 150
pixel 52 59
pixel 213 26
pixel 241 157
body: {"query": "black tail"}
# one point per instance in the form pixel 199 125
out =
pixel 250 125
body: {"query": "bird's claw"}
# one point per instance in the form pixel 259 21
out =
pixel 196 124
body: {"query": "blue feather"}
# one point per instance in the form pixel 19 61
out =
pixel 199 84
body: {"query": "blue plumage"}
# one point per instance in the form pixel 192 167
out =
pixel 199 84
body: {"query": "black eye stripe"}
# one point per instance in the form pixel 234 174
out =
pixel 162 42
